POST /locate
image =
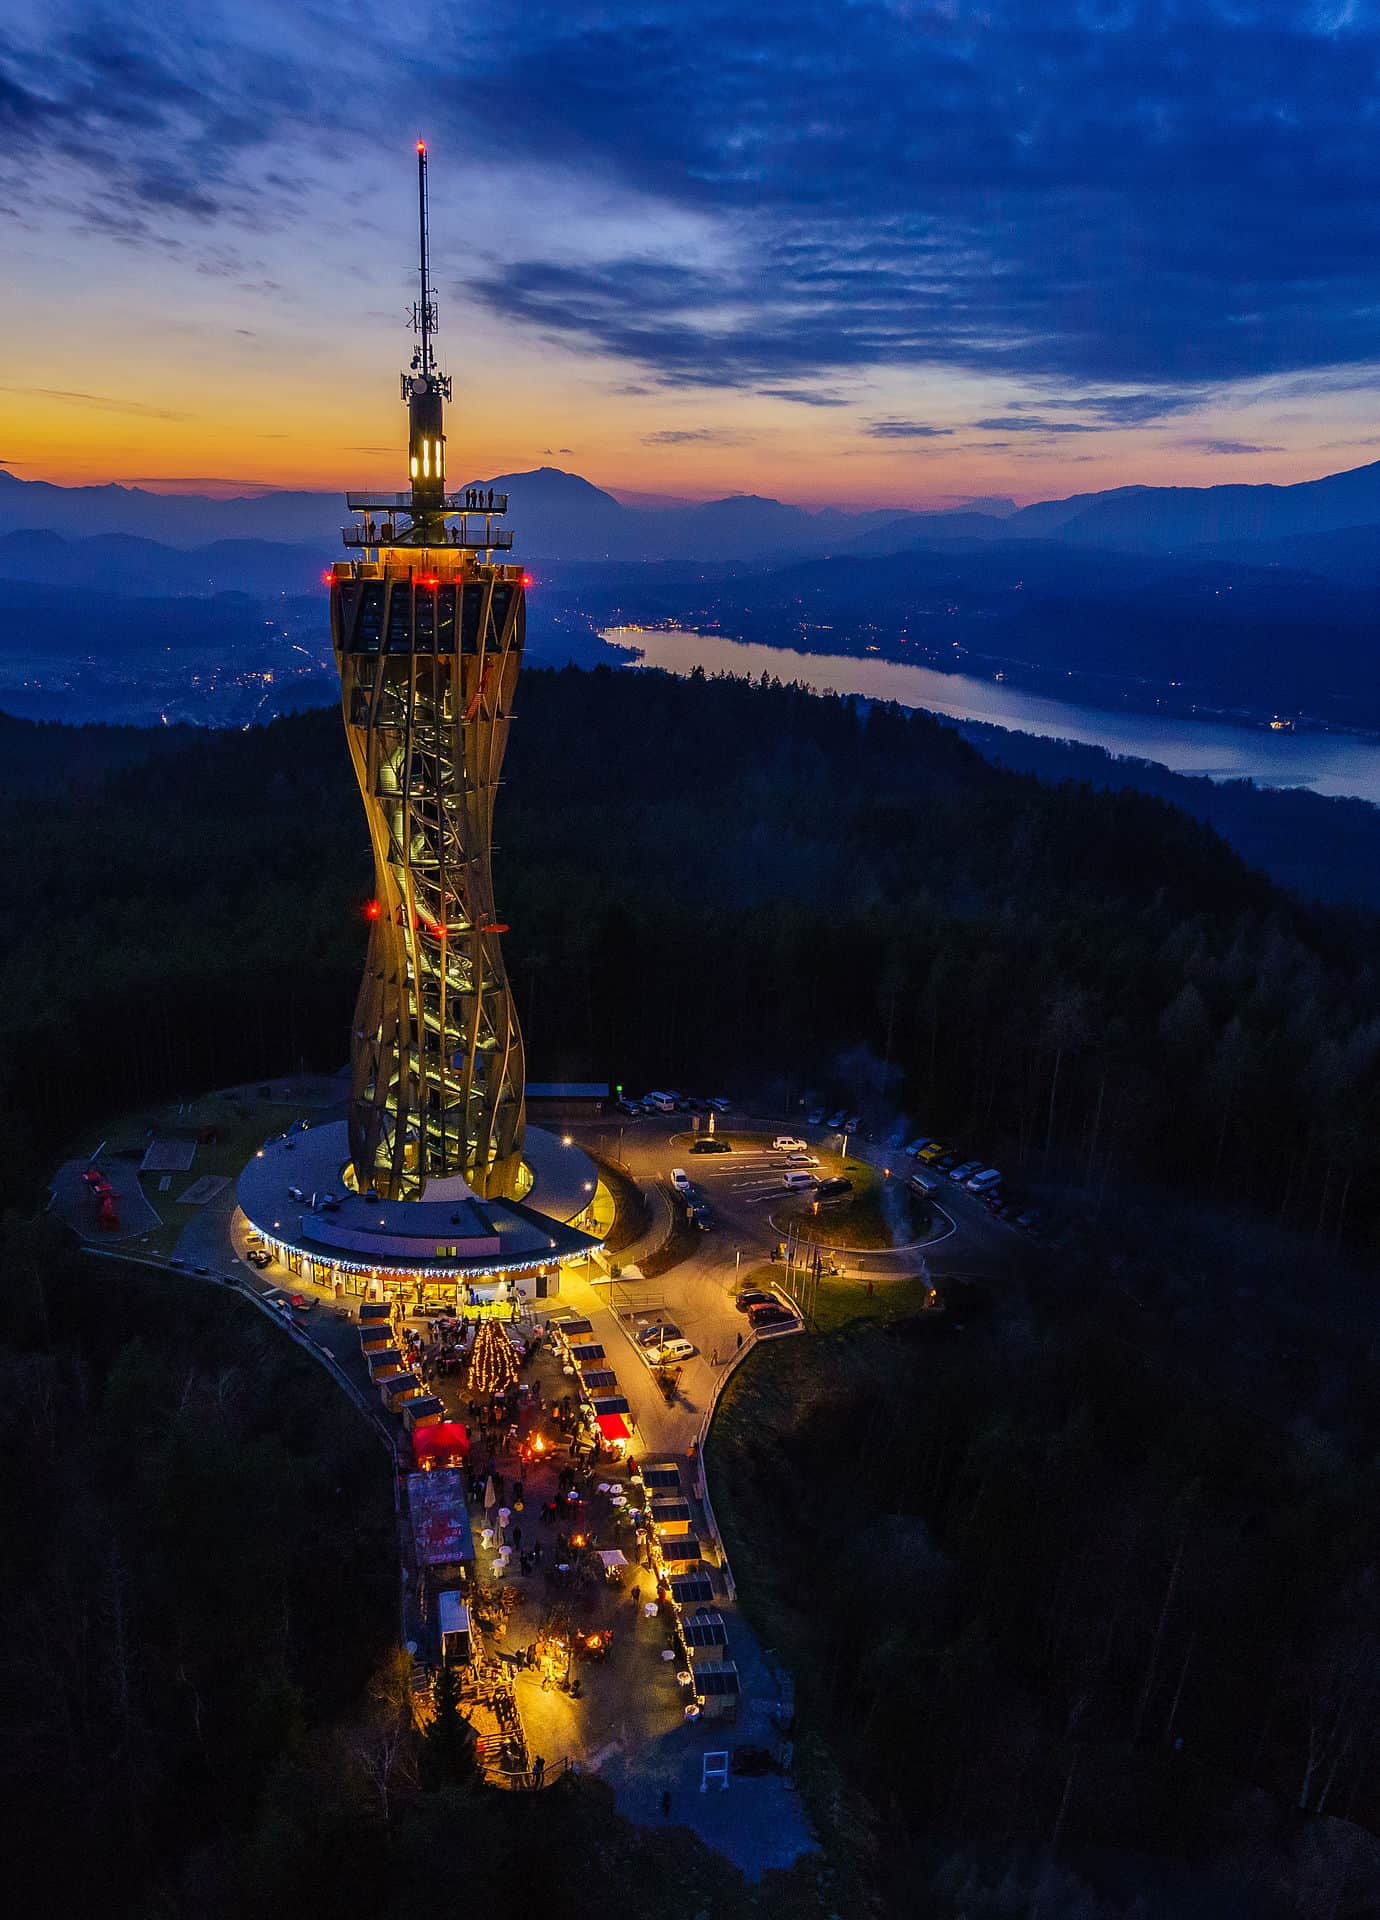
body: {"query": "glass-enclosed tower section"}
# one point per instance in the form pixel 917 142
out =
pixel 428 629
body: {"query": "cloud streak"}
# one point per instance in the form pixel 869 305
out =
pixel 99 402
pixel 905 430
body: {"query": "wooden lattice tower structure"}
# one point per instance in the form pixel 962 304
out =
pixel 428 629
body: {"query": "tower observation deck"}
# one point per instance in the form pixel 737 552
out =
pixel 428 629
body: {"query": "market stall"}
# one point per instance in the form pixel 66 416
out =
pixel 671 1517
pixel 679 1554
pixel 717 1688
pixel 660 1476
pixel 691 1589
pixel 704 1630
pixel 445 1443
pixel 394 1388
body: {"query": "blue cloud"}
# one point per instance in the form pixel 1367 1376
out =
pixel 1137 204
pixel 905 430
pixel 1208 445
pixel 1152 196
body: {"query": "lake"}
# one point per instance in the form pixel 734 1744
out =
pixel 1327 763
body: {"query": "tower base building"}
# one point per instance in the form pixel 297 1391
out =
pixel 454 1250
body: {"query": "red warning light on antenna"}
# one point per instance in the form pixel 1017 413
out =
pixel 328 577
pixel 421 146
pixel 372 909
pixel 526 579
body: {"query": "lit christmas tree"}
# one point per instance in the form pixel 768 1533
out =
pixel 493 1364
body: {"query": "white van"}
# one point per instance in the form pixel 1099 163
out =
pixel 797 1180
pixel 659 1102
pixel 453 1620
pixel 680 1180
pixel 984 1182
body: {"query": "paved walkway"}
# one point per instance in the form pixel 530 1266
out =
pixel 74 1201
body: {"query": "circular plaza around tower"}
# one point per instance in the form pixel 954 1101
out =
pixel 450 1248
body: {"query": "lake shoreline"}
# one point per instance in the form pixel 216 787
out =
pixel 1326 757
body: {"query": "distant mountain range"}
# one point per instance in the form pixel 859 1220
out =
pixel 561 516
pixel 1236 597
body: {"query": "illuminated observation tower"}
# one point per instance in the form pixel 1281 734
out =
pixel 428 631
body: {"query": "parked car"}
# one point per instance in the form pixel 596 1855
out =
pixel 852 1122
pixel 1030 1219
pixel 770 1314
pixel 788 1143
pixel 835 1121
pixel 720 1104
pixel 933 1151
pixel 711 1143
pixel 680 1180
pixel 948 1161
pixel 752 1297
pixel 834 1189
pixel 669 1350
pixel 797 1179
pixel 815 1117
pixel 259 1257
pixel 630 1107
pixel 702 1217
pixel 984 1182
pixel 658 1334
pixel 960 1175
pixel 804 1159
pixel 918 1145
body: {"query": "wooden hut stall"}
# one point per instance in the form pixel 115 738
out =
pixel 671 1518
pixel 717 1689
pixel 705 1633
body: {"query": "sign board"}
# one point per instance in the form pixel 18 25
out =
pixel 715 1772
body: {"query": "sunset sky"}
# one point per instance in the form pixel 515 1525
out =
pixel 875 252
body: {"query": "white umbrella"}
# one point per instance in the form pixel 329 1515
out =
pixel 490 1496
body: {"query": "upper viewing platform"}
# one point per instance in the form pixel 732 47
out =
pixel 460 536
pixel 468 500
pixel 461 520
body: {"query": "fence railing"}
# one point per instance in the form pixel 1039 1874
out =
pixel 530 1779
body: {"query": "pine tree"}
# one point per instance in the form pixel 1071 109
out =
pixel 449 1742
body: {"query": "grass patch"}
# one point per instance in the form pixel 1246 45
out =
pixel 241 1124
pixel 836 1302
pixel 880 1213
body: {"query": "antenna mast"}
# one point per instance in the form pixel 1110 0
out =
pixel 426 309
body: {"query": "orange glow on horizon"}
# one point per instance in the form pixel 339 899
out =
pixel 332 427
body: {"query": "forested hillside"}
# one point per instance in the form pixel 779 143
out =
pixel 707 880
